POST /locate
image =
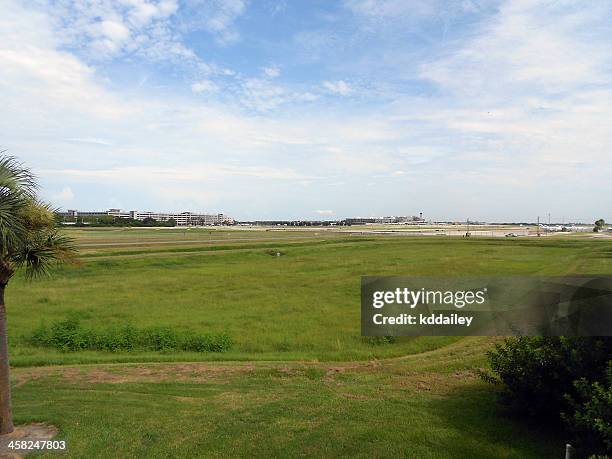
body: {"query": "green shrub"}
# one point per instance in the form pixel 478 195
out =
pixel 590 421
pixel 159 339
pixel 544 377
pixel 40 336
pixel 207 343
pixel 69 335
pixel 114 338
pixel 536 373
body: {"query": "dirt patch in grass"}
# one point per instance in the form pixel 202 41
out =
pixel 434 382
pixel 191 372
pixel 201 372
pixel 19 379
pixel 336 370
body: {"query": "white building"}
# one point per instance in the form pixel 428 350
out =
pixel 181 218
pixel 184 218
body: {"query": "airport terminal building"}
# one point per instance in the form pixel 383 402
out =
pixel 181 218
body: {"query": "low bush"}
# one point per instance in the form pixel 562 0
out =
pixel 558 379
pixel 206 343
pixel 66 335
pixel 160 339
pixel 70 335
pixel 590 418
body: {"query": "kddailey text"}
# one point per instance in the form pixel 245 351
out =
pixel 422 319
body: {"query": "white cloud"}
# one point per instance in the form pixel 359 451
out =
pixel 217 17
pixel 324 212
pixel 340 87
pixel 34 73
pixel 92 141
pixel 114 31
pixel 105 29
pixel 529 48
pixel 533 85
pixel 263 95
pixel 204 86
pixel 167 175
pixel 409 12
pixel 143 12
pixel 65 196
pixel 271 72
pixel 152 29
pixel 390 8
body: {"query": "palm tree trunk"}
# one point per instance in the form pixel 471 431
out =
pixel 6 417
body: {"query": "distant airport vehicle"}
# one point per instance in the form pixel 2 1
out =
pixel 511 235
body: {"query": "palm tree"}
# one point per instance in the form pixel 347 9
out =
pixel 29 240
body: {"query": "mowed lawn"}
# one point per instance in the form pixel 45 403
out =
pixel 300 380
pixel 429 405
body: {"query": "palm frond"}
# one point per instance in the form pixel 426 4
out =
pixel 11 227
pixel 38 255
pixel 17 187
pixel 15 177
pixel 28 237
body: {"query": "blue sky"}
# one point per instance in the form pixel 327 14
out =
pixel 493 110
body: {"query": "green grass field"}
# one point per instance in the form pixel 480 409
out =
pixel 299 380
